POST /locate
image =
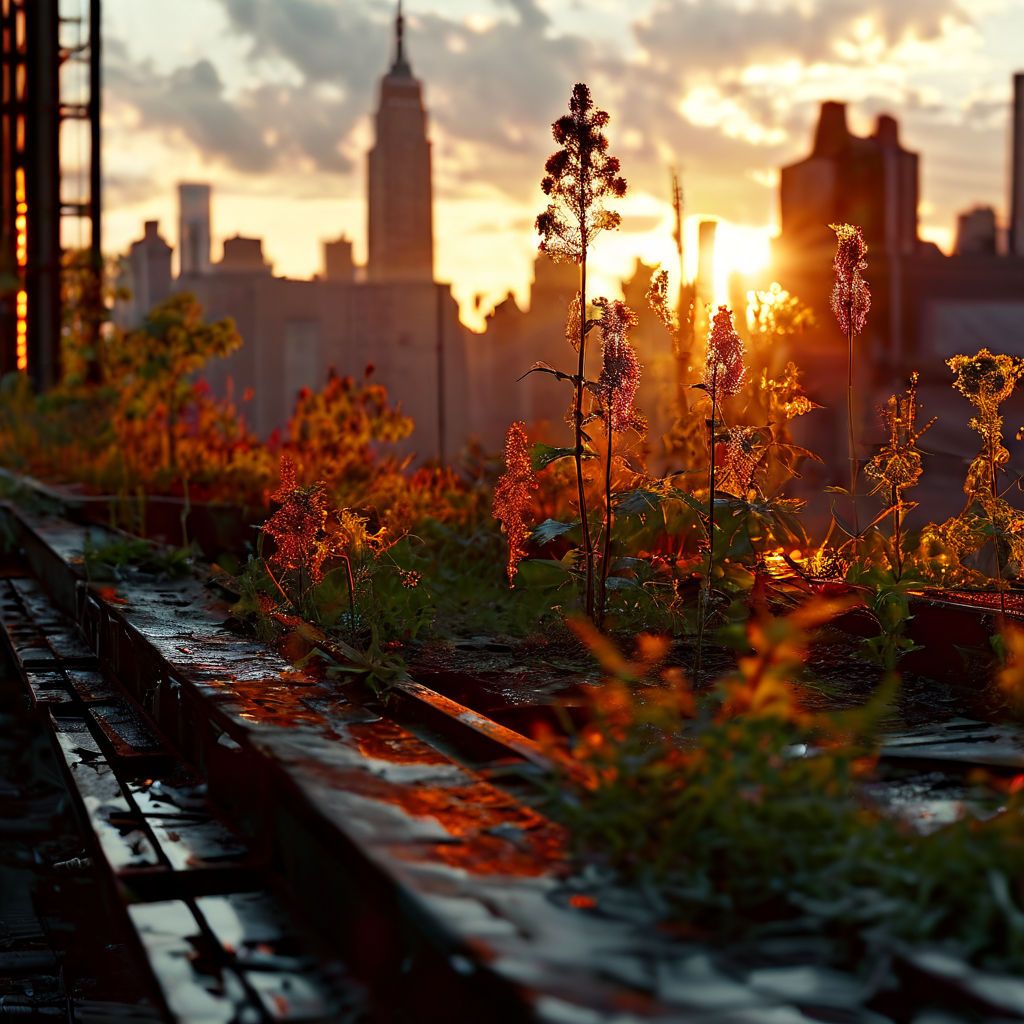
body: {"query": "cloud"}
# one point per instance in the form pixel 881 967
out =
pixel 687 36
pixel 721 86
pixel 265 128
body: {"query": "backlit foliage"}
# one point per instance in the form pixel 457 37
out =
pixel 620 366
pixel 297 527
pixel 153 368
pixel 851 296
pixel 987 522
pixel 580 177
pixel 724 369
pixel 658 300
pixel 740 811
pixel 513 496
pixel 897 465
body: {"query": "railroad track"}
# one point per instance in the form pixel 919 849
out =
pixel 282 850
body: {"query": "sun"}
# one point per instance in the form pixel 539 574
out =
pixel 739 249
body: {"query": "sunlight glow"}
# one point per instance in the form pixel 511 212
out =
pixel 739 249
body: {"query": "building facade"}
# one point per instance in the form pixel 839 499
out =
pixel 390 316
pixel 400 232
pixel 925 306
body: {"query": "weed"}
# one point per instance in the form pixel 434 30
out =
pixel 111 559
pixel 739 812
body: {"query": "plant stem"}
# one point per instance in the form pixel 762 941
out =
pixel 897 523
pixel 990 444
pixel 280 589
pixel 588 544
pixel 606 554
pixel 852 437
pixel 351 596
pixel 705 589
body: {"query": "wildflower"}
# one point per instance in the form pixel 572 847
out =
pixel 297 527
pixel 513 495
pixel 985 379
pixel 787 396
pixel 620 369
pixel 579 177
pixel 897 466
pixel 657 299
pixel 410 578
pixel 742 457
pixel 574 322
pixel 723 368
pixel 851 297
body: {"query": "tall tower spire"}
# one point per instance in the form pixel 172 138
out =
pixel 400 65
pixel 400 227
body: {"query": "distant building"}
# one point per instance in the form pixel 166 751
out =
pixel 976 232
pixel 243 256
pixel 149 261
pixel 925 306
pixel 399 321
pixel 400 232
pixel 193 228
pixel 1016 234
pixel 338 262
pixel 515 340
pixel 870 181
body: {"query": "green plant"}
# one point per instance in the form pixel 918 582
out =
pixel 723 376
pixel 889 590
pixel 851 301
pixel 739 814
pixel 896 467
pixel 579 177
pixel 153 367
pixel 111 559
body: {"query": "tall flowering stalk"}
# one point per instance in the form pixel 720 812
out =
pixel 851 300
pixel 897 465
pixel 987 380
pixel 514 495
pixel 580 176
pixel 724 373
pixel 616 388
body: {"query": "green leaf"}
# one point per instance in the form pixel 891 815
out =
pixel 542 455
pixel 551 529
pixel 639 502
pixel 843 525
pixel 630 563
pixel 621 583
pixel 688 499
pixel 541 367
pixel 542 572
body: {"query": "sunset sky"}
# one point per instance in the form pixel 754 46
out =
pixel 270 101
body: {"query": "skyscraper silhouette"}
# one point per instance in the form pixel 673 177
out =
pixel 400 230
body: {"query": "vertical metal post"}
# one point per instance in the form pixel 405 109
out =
pixel 96 310
pixel 10 282
pixel 42 174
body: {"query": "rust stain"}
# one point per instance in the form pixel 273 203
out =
pixel 385 741
pixel 269 702
pixel 527 844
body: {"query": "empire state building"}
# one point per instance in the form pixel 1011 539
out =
pixel 400 230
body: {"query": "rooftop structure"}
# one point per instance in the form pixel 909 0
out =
pixel 400 217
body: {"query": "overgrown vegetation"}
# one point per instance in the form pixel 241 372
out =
pixel 739 812
pixel 714 792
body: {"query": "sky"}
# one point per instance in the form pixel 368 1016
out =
pixel 271 102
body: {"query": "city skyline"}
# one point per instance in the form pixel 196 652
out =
pixel 728 129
